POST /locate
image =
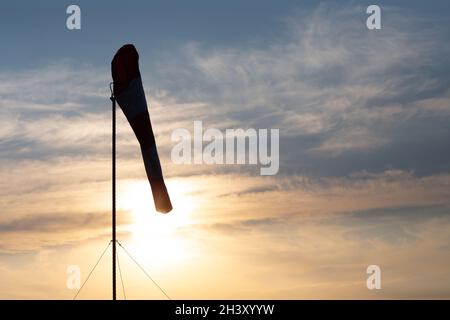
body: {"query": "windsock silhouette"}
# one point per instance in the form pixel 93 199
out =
pixel 129 93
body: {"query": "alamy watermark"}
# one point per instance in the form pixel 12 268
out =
pixel 234 146
pixel 73 280
pixel 373 22
pixel 73 21
pixel 374 280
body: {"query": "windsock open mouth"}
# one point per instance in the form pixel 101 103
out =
pixel 129 93
pixel 124 67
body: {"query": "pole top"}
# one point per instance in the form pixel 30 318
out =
pixel 112 91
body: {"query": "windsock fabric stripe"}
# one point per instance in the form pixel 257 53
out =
pixel 130 95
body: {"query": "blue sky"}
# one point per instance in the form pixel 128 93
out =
pixel 364 135
pixel 155 26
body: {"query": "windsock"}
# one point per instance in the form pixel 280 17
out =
pixel 129 93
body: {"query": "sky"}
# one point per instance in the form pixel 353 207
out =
pixel 364 176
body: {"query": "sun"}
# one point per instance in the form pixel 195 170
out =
pixel 155 234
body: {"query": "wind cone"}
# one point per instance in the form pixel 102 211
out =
pixel 129 93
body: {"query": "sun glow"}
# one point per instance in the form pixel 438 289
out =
pixel 155 235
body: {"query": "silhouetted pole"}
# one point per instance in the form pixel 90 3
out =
pixel 113 100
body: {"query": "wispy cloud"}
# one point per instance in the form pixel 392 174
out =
pixel 327 78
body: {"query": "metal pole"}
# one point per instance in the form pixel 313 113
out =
pixel 113 196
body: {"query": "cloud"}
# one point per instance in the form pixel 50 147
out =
pixel 350 139
pixel 52 223
pixel 54 84
pixel 332 87
pixel 335 89
pixel 39 231
pixel 363 118
pixel 326 257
